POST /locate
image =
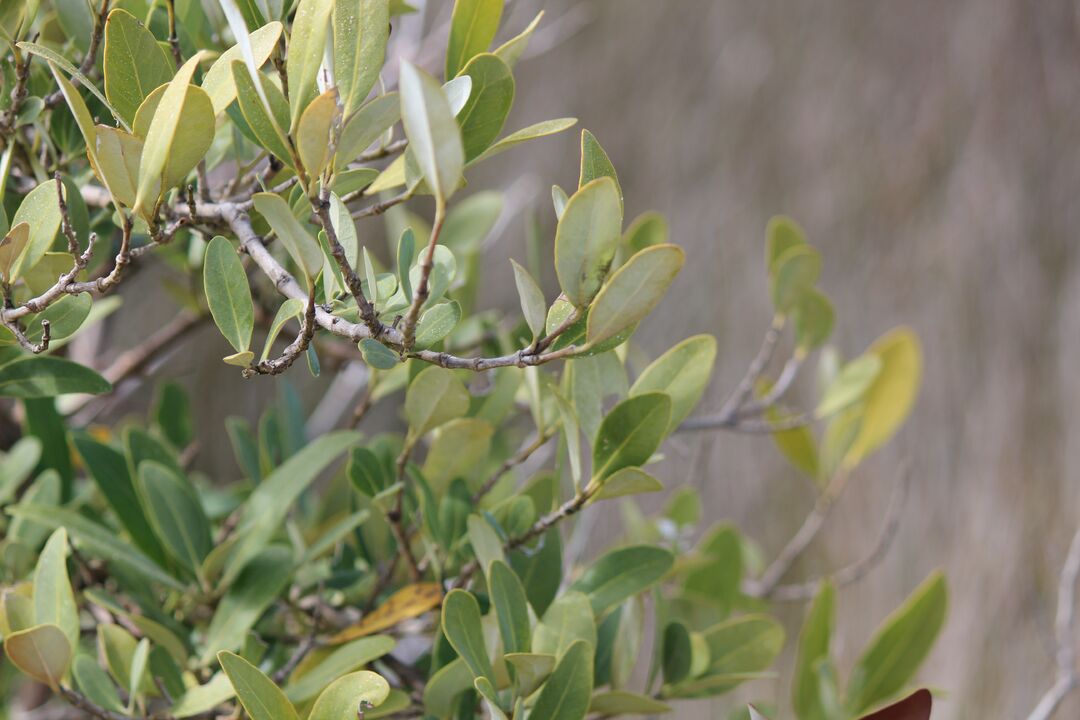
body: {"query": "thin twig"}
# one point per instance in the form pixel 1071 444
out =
pixel 1067 677
pixel 57 97
pixel 521 456
pixel 77 699
pixel 294 350
pixel 799 592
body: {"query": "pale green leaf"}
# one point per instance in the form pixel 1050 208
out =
pixel 473 25
pixel 261 698
pixel 489 103
pixel 361 29
pixel 533 304
pixel 566 694
pixel 135 64
pixel 585 239
pixel 683 373
pixel 434 397
pixel 54 601
pixel 219 83
pixel 228 293
pixel 349 693
pixel 532 132
pixel 461 625
pixel 42 652
pixel 302 247
pixel 433 133
pixel 633 291
pixel 307 41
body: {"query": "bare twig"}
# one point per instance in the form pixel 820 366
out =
pixel 294 350
pixel 396 515
pixel 521 456
pixel 352 278
pixel 795 547
pixel 25 342
pixel 1067 676
pixel 799 592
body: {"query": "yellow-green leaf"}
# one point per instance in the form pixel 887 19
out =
pixel 261 698
pixel 118 155
pixel 159 139
pixel 219 83
pixel 345 696
pixel 42 652
pixel 313 133
pixel 54 601
pixel 408 602
pixel 41 209
pixel 537 130
pixel 268 127
pixel 889 400
pixel 434 397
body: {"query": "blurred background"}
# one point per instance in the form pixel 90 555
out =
pixel 932 152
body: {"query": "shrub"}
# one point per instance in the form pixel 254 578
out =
pixel 411 573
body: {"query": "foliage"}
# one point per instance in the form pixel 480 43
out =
pixel 422 572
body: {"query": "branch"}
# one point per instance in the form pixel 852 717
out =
pixel 352 279
pixel 396 516
pixel 773 574
pixel 295 349
pixel 800 592
pixel 77 699
pixel 420 296
pixel 1067 678
pixel 521 456
pixel 20 336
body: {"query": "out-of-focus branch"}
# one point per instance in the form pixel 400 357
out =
pixel 1067 676
pixel 799 592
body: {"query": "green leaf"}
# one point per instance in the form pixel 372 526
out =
pixel 623 573
pixel 797 269
pixel 532 669
pixel 533 305
pixel 302 247
pixel 567 620
pixel 798 445
pixel 541 571
pixel 267 125
pixel 361 29
pixel 219 83
pixel 899 646
pixel 433 133
pixel 457 449
pixel 228 293
pixel 203 698
pixel 269 503
pixel 341 699
pixel 461 625
pixel 717 577
pixel 43 376
pixel 65 317
pixel 633 291
pixel 566 694
pixel 138 670
pixel 95 683
pixel 173 508
pixel 366 126
pixel 261 698
pixel 628 481
pixel 682 373
pixel 781 234
pixel 291 308
pixel 307 41
pixel 54 601
pixel 405 253
pixel 677 653
pixel 512 50
pixel 378 355
pixel 813 647
pixel 163 132
pixel 532 132
pixel 621 702
pixel 95 540
pixel 17 464
pixel 255 589
pixel 596 164
pixel 473 25
pixel 345 659
pixel 630 433
pixel 116 162
pixel 814 318
pixel 585 239
pixel 646 230
pixel 850 385
pixel 135 64
pixel 436 323
pixel 40 209
pixel 42 652
pixel 738 650
pixel 489 103
pixel 890 399
pixel 511 607
pixel 11 247
pixel 434 397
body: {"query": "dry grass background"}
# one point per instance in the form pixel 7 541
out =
pixel 932 151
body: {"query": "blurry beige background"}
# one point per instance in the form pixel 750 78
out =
pixel 932 151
